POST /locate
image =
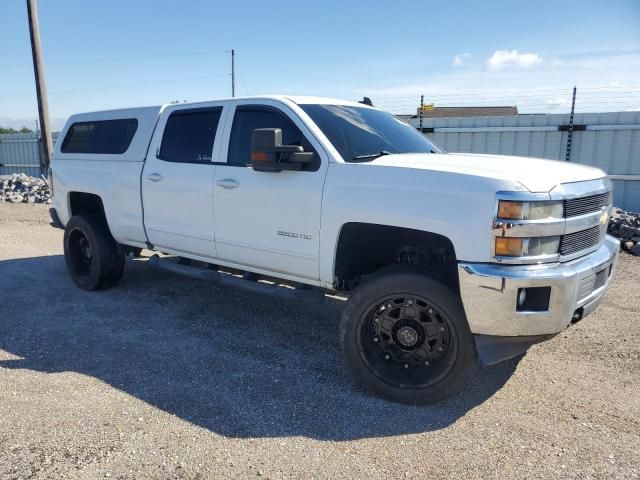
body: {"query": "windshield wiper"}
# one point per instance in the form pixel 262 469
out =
pixel 370 156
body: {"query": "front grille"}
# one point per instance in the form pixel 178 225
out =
pixel 574 242
pixel 580 206
pixel 601 279
pixel 593 282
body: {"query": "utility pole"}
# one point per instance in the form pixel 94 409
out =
pixel 567 157
pixel 421 108
pixel 233 73
pixel 41 87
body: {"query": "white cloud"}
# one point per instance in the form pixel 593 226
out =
pixel 601 83
pixel 557 102
pixel 512 58
pixel 461 59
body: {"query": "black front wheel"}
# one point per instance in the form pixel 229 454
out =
pixel 91 254
pixel 404 336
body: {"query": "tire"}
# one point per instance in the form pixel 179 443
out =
pixel 404 337
pixel 91 254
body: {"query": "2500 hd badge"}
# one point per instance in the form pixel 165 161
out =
pixel 303 236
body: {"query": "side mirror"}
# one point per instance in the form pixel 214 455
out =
pixel 269 155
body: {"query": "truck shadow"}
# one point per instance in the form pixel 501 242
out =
pixel 236 363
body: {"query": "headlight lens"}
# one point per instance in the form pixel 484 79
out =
pixel 543 246
pixel 526 247
pixel 512 210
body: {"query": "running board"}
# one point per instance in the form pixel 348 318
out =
pixel 230 280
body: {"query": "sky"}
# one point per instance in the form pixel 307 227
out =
pixel 124 53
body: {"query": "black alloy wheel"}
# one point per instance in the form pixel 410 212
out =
pixel 404 336
pixel 406 341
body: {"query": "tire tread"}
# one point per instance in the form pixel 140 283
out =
pixel 110 260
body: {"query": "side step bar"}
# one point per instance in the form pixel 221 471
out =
pixel 227 279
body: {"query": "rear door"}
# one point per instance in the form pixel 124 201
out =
pixel 177 180
pixel 268 220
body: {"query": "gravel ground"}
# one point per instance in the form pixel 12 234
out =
pixel 168 377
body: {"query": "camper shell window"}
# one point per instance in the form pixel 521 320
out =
pixel 100 136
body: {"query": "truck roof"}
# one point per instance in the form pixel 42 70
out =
pixel 146 118
pixel 298 99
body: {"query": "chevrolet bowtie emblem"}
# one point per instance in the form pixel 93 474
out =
pixel 604 217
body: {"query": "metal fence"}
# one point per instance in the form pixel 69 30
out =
pixel 609 141
pixel 21 153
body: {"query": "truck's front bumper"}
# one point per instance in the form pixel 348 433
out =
pixel 489 293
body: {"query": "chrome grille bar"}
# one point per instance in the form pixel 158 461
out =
pixel 574 242
pixel 601 279
pixel 582 205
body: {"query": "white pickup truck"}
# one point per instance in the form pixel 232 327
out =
pixel 442 257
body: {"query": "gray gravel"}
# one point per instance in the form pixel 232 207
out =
pixel 168 377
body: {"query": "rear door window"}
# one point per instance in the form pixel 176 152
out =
pixel 101 136
pixel 189 135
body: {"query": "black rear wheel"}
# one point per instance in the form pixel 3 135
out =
pixel 404 336
pixel 91 254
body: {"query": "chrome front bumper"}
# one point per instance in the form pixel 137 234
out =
pixel 489 292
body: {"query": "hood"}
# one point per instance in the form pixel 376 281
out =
pixel 535 174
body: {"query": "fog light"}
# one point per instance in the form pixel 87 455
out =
pixel 510 247
pixel 533 299
pixel 522 296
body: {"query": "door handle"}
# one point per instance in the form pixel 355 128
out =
pixel 228 183
pixel 154 177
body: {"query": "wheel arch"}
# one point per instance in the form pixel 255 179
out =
pixel 363 248
pixel 83 203
pixel 87 203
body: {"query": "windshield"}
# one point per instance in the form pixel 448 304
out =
pixel 361 134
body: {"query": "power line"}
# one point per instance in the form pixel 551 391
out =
pixel 119 59
pixel 548 102
pixel 528 91
pixel 122 85
pixel 502 96
pixel 244 84
pixel 588 101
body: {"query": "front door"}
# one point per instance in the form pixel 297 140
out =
pixel 177 181
pixel 269 220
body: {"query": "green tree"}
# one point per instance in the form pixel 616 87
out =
pixel 13 130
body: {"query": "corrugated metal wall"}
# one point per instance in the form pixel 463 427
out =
pixel 611 141
pixel 19 153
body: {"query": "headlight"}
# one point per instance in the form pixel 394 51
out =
pixel 526 247
pixel 539 210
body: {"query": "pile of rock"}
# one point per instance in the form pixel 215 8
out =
pixel 22 188
pixel 626 227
